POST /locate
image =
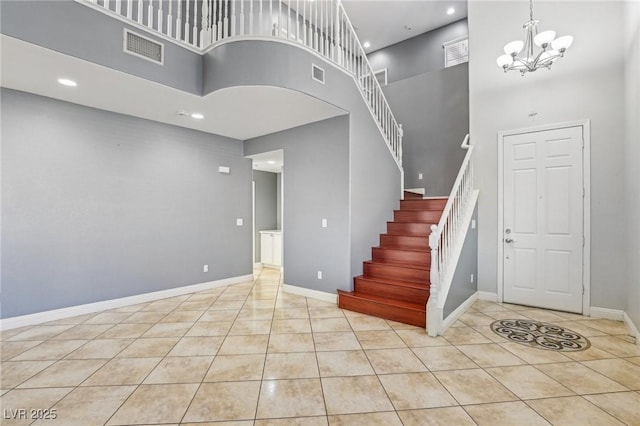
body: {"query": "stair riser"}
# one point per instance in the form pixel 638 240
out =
pixel 424 216
pixel 407 242
pixel 432 204
pixel 401 256
pixel 393 272
pixel 394 313
pixel 406 294
pixel 407 228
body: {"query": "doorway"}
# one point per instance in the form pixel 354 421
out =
pixel 267 220
pixel 543 226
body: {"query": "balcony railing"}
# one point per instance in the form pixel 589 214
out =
pixel 321 26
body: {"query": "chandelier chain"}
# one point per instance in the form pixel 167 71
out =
pixel 531 10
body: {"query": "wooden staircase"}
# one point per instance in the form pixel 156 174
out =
pixel 395 283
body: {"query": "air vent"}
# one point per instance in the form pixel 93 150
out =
pixel 456 52
pixel 317 73
pixel 143 47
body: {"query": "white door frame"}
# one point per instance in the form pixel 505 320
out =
pixel 586 206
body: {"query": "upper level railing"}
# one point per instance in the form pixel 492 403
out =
pixel 447 238
pixel 321 25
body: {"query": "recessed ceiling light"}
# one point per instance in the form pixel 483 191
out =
pixel 67 82
pixel 366 45
pixel 197 116
pixel 451 11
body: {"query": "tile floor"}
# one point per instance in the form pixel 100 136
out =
pixel 249 354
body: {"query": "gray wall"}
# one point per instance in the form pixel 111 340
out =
pixel 417 55
pixel 461 286
pixel 315 187
pixel 265 204
pixel 97 205
pixel 374 177
pixel 580 86
pixel 632 157
pixel 77 30
pixel 434 110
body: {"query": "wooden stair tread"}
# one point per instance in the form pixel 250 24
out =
pixel 392 282
pixel 399 264
pixel 386 301
pixel 420 250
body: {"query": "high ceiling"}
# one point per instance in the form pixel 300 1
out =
pixel 385 22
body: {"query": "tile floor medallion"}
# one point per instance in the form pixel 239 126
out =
pixel 250 354
pixel 540 335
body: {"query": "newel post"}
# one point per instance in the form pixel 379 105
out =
pixel 433 312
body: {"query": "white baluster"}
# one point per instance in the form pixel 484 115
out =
pixel 251 17
pixel 170 19
pixel 271 16
pixel 119 7
pixel 194 28
pixel 297 15
pixel 279 28
pixel 212 21
pixel 233 18
pixel 179 21
pixel 225 24
pixel 130 9
pixel 288 22
pixel 304 21
pixel 322 31
pixel 105 4
pixel 160 16
pixel 260 18
pixel 204 23
pixel 241 18
pixel 220 23
pixel 150 14
pixel 140 10
pixel 187 27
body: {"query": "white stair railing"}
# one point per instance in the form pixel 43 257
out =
pixel 447 238
pixel 320 25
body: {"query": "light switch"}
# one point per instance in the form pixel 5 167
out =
pixel 419 176
pixel 324 223
pixel 473 224
pixel 319 275
pixel 239 222
pixel 205 268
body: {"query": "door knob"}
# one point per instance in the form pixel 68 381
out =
pixel 508 240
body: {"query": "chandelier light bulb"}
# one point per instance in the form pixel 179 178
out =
pixel 514 47
pixel 544 37
pixel 562 43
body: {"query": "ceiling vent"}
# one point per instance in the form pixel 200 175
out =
pixel 143 47
pixel 456 52
pixel 317 73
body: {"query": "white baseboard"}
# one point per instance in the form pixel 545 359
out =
pixel 72 311
pixel 420 191
pixel 313 294
pixel 632 327
pixel 460 310
pixel 488 296
pixel 606 313
pixel 257 265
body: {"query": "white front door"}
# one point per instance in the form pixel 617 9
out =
pixel 543 233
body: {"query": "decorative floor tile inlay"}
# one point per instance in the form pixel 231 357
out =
pixel 540 335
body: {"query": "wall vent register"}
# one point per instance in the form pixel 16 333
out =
pixel 143 47
pixel 317 73
pixel 456 52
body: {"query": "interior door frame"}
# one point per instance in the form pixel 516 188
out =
pixel 586 204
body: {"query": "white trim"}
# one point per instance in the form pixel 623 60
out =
pixel 586 204
pixel 56 314
pixel 257 265
pixel 313 294
pixel 488 296
pixel 420 191
pixel 606 313
pixel 458 312
pixel 632 327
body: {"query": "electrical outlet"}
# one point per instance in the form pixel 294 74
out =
pixel 324 223
pixel 239 222
pixel 419 176
pixel 319 275
pixel 205 268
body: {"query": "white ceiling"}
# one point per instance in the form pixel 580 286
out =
pixel 382 22
pixel 268 161
pixel 240 112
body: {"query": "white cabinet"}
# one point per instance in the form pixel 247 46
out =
pixel 271 248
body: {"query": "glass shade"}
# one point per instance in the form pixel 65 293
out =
pixel 513 47
pixel 544 37
pixel 504 60
pixel 562 43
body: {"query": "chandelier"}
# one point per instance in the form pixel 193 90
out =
pixel 552 48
